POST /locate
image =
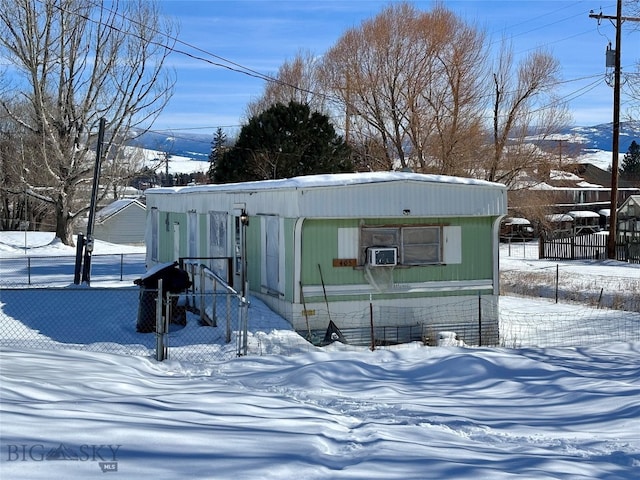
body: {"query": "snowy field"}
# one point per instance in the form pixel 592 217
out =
pixel 412 412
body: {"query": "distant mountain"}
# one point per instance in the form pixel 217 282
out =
pixel 197 146
pixel 600 137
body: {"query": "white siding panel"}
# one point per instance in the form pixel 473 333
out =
pixel 348 242
pixel 402 199
pixel 452 245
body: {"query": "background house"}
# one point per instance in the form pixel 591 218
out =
pixel 629 218
pixel 122 221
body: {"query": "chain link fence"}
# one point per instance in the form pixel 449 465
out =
pixel 212 322
pixel 184 331
pixel 107 320
pixel 47 271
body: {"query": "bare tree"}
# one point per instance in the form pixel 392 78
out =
pixel 412 80
pixel 20 176
pixel 73 63
pixel 367 72
pixel 454 98
pixel 525 112
pixel 295 81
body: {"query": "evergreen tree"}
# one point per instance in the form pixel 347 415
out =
pixel 281 142
pixel 630 168
pixel 218 147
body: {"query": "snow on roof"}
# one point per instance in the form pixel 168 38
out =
pixel 543 186
pixel 562 175
pixel 114 207
pixel 517 221
pixel 583 214
pixel 588 185
pixel 328 180
pixel 559 217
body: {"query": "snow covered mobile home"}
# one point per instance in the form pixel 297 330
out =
pixel 362 251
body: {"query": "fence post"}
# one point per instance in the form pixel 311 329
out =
pixel 245 328
pixel 373 336
pixel 557 280
pixel 242 327
pixel 214 304
pixel 160 325
pixel 573 246
pixel 215 299
pixel 78 265
pixel 479 319
pixel 202 304
pixel 121 266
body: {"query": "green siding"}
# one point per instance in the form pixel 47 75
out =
pixel 320 247
pixel 166 220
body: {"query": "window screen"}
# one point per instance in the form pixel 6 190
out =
pixel 154 234
pixel 218 242
pixel 419 245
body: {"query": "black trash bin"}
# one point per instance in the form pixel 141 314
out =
pixel 174 280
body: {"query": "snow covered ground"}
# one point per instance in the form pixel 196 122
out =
pixel 411 412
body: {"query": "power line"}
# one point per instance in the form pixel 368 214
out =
pixel 230 65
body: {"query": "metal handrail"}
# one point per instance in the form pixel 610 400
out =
pixel 200 275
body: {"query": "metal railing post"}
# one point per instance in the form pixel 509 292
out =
pixel 228 338
pixel 214 303
pixel 160 347
pixel 243 327
pixel 202 304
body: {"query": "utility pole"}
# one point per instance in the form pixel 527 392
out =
pixel 613 219
pixel 88 245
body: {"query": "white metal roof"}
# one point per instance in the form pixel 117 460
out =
pixel 326 180
pixel 374 194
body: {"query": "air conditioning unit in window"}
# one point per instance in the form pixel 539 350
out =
pixel 382 256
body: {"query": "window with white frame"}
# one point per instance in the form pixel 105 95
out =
pixel 218 241
pixel 272 252
pixel 416 245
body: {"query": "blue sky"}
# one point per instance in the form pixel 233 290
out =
pixel 260 35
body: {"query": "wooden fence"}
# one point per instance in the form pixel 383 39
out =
pixel 587 247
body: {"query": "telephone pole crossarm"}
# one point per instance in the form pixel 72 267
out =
pixel 600 16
